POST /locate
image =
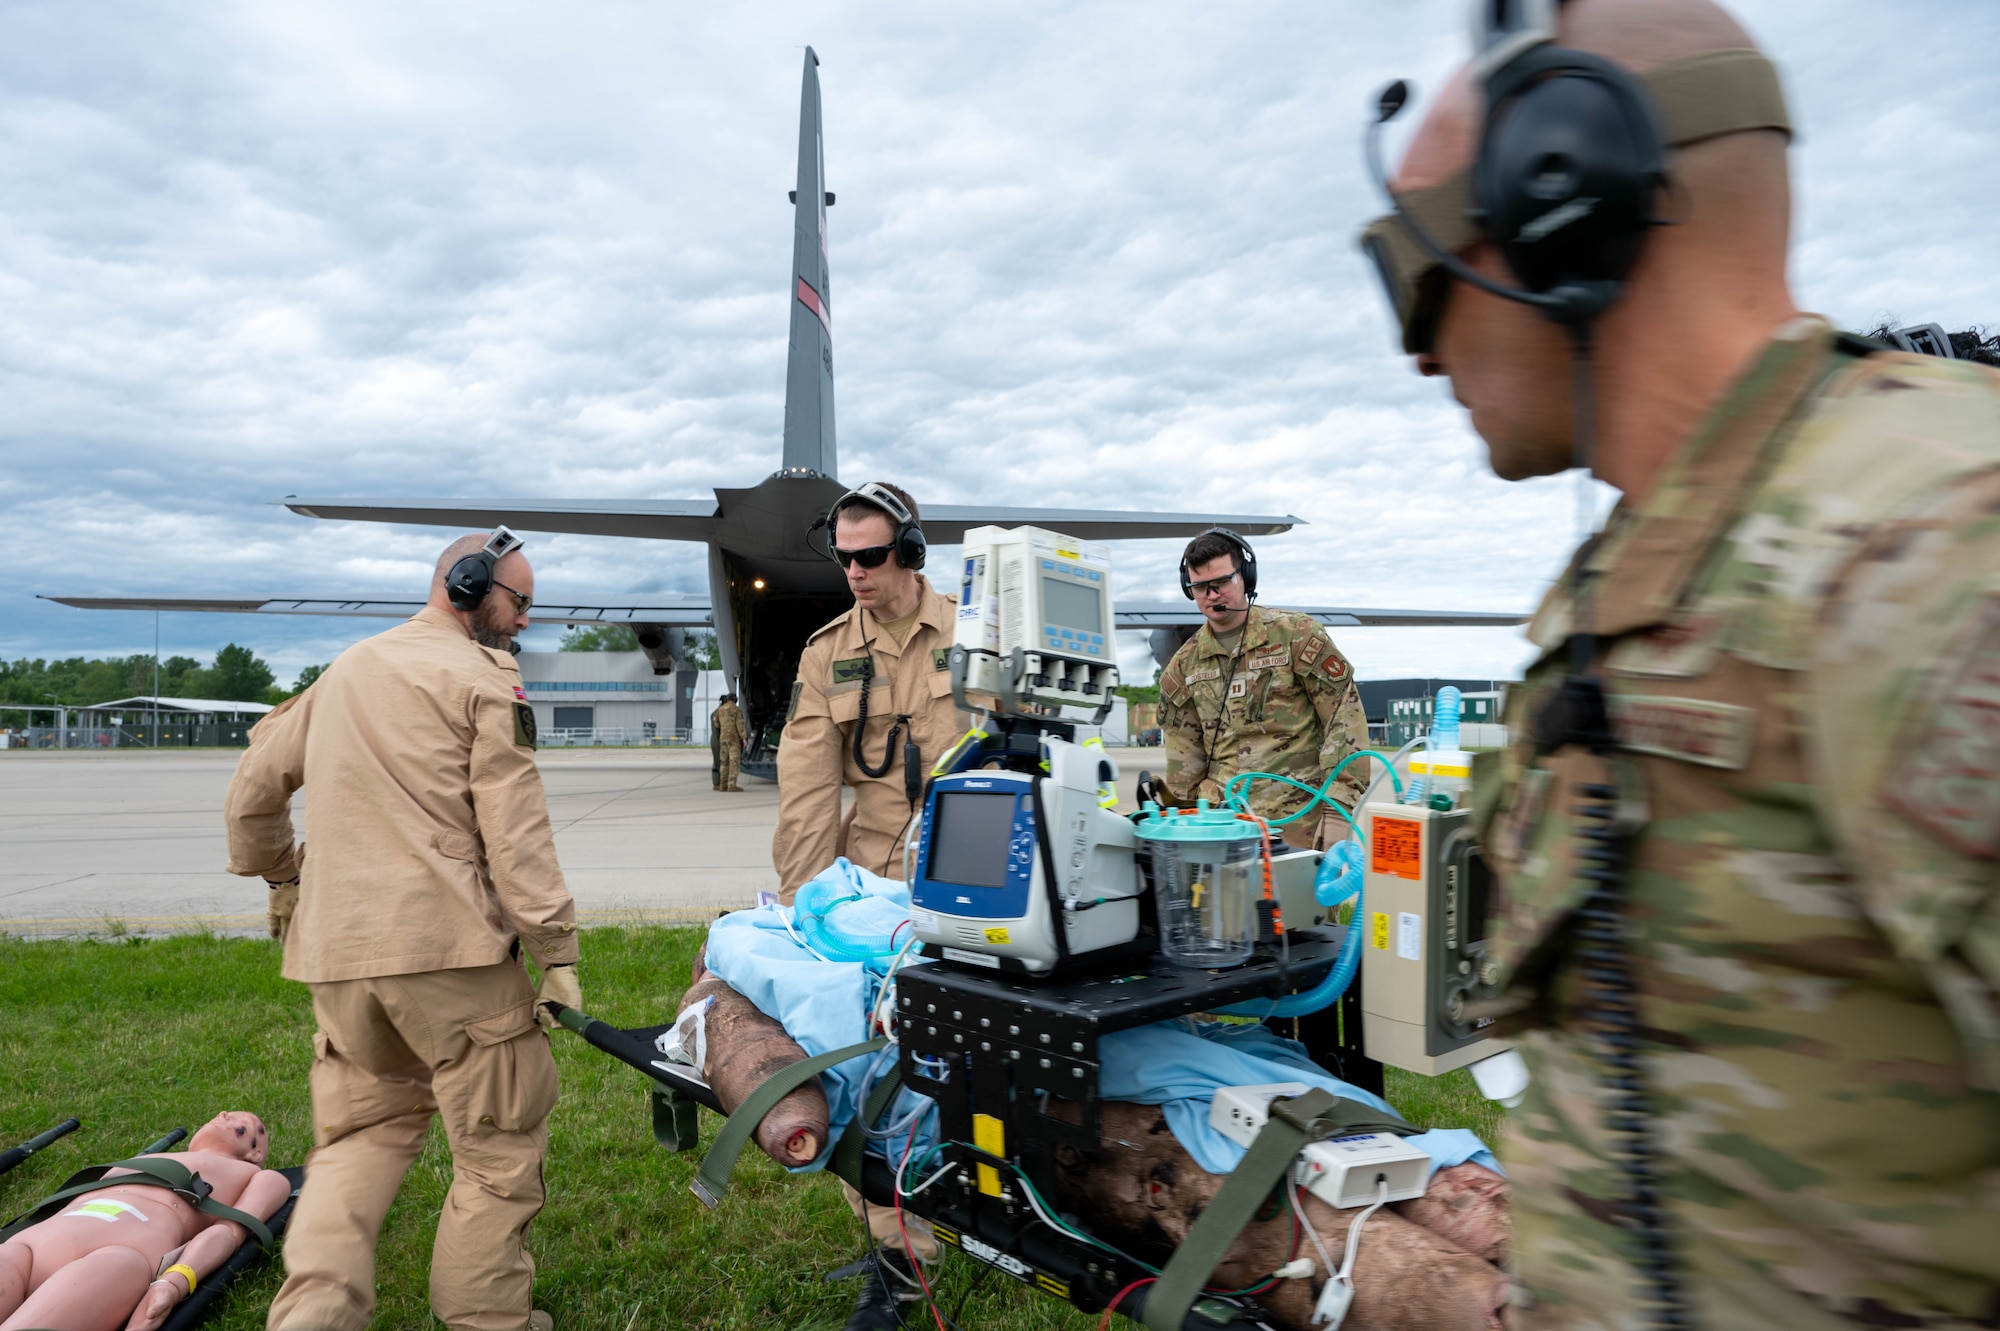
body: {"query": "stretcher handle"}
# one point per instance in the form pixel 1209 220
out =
pixel 634 1053
pixel 166 1143
pixel 15 1155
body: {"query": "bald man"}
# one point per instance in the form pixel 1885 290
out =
pixel 433 870
pixel 1793 620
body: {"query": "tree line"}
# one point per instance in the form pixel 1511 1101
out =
pixel 236 675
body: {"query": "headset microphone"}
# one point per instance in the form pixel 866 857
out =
pixel 1569 303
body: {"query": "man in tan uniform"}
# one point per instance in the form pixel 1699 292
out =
pixel 730 733
pixel 433 868
pixel 1747 839
pixel 872 710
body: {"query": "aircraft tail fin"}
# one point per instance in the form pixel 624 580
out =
pixel 809 368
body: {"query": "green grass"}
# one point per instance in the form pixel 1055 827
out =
pixel 136 1036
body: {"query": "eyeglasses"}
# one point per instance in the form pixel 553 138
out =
pixel 870 557
pixel 522 604
pixel 1215 586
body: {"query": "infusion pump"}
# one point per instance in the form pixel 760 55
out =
pixel 1035 622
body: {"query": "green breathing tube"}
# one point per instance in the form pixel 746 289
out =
pixel 1236 793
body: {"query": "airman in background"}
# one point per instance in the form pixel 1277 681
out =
pixel 1258 690
pixel 1793 619
pixel 729 734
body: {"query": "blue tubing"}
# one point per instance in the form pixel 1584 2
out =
pixel 1339 879
pixel 1236 793
pixel 815 902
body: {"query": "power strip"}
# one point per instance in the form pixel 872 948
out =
pixel 1342 1172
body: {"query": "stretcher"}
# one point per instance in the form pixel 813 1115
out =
pixel 1058 1262
pixel 190 1312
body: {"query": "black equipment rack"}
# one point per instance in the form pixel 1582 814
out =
pixel 1023 1077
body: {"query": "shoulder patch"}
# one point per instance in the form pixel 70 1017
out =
pixel 940 659
pixel 1949 784
pixel 851 669
pixel 524 725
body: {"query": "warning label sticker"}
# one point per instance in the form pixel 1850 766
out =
pixel 1397 848
pixel 1378 931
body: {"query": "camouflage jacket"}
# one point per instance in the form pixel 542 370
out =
pixel 1285 703
pixel 1800 647
pixel 728 725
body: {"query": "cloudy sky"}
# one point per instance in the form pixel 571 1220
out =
pixel 1084 254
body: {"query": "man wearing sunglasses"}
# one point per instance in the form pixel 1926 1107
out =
pixel 1748 836
pixel 433 870
pixel 1258 690
pixel 870 711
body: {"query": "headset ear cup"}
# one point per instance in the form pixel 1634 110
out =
pixel 470 579
pixel 911 546
pixel 1569 163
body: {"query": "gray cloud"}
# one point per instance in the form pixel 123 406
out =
pixel 1083 254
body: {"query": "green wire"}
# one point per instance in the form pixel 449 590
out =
pixel 1236 799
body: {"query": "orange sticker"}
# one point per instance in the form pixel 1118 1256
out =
pixel 1397 848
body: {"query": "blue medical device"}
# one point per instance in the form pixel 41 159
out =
pixel 986 853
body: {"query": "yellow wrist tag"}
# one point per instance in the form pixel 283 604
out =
pixel 185 1270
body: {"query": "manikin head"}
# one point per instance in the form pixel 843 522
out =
pixel 859 528
pixel 503 614
pixel 1215 573
pixel 1705 294
pixel 234 1132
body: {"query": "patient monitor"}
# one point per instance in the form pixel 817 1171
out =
pixel 1018 864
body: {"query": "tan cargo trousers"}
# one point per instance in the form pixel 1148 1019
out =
pixel 390 1052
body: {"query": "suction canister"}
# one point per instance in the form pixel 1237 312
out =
pixel 1206 869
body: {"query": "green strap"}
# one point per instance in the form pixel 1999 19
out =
pixel 846 1161
pixel 676 1118
pixel 712 1179
pixel 1310 1117
pixel 152 1172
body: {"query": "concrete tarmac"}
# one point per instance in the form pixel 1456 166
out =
pixel 132 841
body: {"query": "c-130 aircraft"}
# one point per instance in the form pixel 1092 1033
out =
pixel 770 585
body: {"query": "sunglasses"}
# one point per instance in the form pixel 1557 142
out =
pixel 870 557
pixel 1214 586
pixel 522 604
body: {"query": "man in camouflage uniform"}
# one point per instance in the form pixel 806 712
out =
pixel 1796 610
pixel 1257 690
pixel 727 728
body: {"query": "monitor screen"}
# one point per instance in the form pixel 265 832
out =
pixel 970 837
pixel 1069 606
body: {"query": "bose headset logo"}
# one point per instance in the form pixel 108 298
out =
pixel 1555 219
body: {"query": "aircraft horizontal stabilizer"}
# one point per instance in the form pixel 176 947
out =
pixel 653 519
pixel 1182 614
pixel 946 524
pixel 681 612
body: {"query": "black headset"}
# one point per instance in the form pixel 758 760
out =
pixel 909 539
pixel 471 578
pixel 1571 158
pixel 1246 563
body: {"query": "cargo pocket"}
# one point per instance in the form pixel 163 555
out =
pixel 511 1082
pixel 347 1097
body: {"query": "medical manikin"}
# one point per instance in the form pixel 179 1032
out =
pixel 125 1255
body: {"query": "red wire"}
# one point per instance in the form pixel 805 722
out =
pixel 896 1186
pixel 1111 1307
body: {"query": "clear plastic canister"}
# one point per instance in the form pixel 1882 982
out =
pixel 1207 878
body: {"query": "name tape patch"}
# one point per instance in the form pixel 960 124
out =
pixel 1712 734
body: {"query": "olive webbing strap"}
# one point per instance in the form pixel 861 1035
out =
pixel 711 1181
pixel 846 1162
pixel 1292 1123
pixel 156 1173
